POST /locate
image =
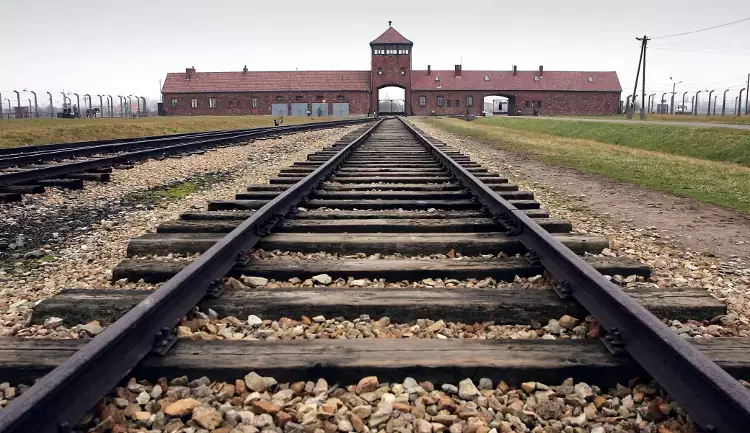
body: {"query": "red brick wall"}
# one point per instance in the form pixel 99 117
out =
pixel 359 102
pixel 582 103
pixel 391 66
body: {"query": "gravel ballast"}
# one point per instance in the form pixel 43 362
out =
pixel 673 264
pixel 84 255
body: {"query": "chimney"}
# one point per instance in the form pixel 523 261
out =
pixel 541 70
pixel 515 70
pixel 429 69
pixel 189 72
pixel 458 70
pixel 244 70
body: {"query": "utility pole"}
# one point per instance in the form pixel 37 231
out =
pixel 635 87
pixel 643 86
pixel 746 94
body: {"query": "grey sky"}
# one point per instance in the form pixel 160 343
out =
pixel 95 46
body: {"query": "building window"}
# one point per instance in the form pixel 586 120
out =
pixel 450 101
pixel 422 101
pixel 238 104
pixel 591 79
pixel 380 71
pixel 403 71
pixel 437 78
pixel 212 102
pixel 440 101
pixel 231 103
pixel 255 102
pixel 340 98
pixel 174 102
pixel 194 103
pixel 279 99
pixel 469 101
pixel 457 103
pixel 298 98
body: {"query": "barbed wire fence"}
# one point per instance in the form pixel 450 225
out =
pixel 45 105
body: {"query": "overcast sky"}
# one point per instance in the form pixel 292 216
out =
pixel 95 46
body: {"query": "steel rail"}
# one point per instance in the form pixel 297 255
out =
pixel 59 399
pixel 714 400
pixel 93 148
pixel 30 175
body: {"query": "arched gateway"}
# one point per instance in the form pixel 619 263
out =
pixel 426 92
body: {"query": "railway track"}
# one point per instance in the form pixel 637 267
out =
pixel 29 170
pixel 411 230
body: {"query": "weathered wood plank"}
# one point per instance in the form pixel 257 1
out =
pixel 387 243
pixel 344 214
pixel 347 361
pixel 408 204
pixel 153 271
pixel 361 226
pixel 514 306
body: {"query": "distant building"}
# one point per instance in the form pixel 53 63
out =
pixel 342 93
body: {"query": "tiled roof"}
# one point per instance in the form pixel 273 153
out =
pixel 523 80
pixel 391 36
pixel 257 81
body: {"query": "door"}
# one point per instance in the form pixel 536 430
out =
pixel 319 109
pixel 280 109
pixel 341 109
pixel 299 109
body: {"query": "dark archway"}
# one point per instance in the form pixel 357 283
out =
pixel 391 100
pixel 498 104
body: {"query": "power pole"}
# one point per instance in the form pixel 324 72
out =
pixel 635 87
pixel 644 41
pixel 747 94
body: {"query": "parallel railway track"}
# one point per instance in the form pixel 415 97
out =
pixel 29 170
pixel 384 190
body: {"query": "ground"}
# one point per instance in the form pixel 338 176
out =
pixel 707 164
pixel 728 119
pixel 29 132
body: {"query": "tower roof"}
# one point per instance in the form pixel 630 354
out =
pixel 391 36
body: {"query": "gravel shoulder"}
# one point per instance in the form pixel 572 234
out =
pixel 93 225
pixel 687 243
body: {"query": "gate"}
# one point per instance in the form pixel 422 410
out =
pixel 299 109
pixel 319 109
pixel 279 109
pixel 341 109
pixel 392 106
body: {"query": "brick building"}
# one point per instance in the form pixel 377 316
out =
pixel 342 93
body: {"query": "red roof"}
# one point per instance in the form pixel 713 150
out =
pixel 276 81
pixel 523 80
pixel 391 36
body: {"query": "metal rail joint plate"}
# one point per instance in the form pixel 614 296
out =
pixel 60 398
pixel 714 399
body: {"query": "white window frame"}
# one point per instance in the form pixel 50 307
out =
pixel 174 103
pixel 422 101
pixel 212 102
pixel 255 102
pixel 469 101
pixel 194 103
pixel 441 101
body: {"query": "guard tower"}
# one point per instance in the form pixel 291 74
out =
pixel 391 65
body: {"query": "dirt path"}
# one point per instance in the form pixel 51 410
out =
pixel 696 226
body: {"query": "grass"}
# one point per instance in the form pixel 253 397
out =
pixel 728 119
pixel 28 132
pixel 715 144
pixel 720 183
pixel 179 190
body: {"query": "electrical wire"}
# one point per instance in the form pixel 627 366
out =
pixel 686 50
pixel 702 30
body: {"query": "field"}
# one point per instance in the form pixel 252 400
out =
pixel 688 162
pixel 735 120
pixel 715 144
pixel 27 132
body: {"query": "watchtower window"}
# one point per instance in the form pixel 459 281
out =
pixel 403 71
pixel 380 71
